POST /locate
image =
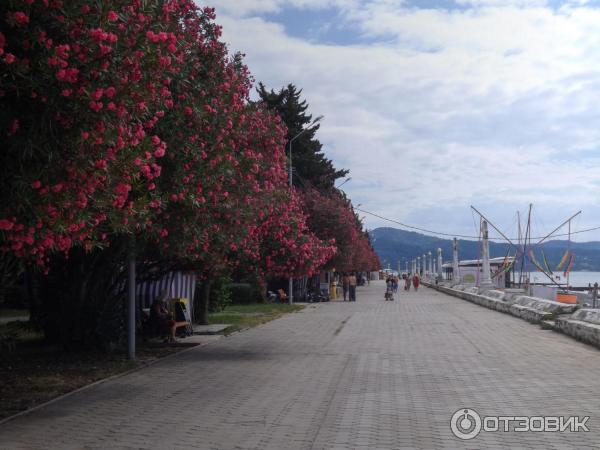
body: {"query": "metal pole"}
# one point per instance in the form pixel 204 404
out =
pixel 486 219
pixel 569 247
pixel 559 227
pixel 517 252
pixel 291 140
pixel 291 280
pixel 131 299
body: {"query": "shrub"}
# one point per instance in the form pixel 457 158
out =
pixel 220 295
pixel 245 293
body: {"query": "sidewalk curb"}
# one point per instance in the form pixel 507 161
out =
pixel 103 380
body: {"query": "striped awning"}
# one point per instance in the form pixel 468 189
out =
pixel 176 284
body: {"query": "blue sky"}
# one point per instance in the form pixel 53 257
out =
pixel 438 105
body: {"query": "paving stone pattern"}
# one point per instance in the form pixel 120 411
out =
pixel 364 375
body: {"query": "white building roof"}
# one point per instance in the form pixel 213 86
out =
pixel 477 262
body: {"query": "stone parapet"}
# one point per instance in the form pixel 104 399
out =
pixel 535 310
pixel 583 325
pixel 513 302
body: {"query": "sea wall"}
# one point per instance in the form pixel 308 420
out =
pixel 583 325
pixel 570 319
pixel 511 301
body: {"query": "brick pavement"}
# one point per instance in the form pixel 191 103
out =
pixel 364 375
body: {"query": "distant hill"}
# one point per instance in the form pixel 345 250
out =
pixel 394 245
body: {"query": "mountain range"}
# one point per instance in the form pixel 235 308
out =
pixel 398 246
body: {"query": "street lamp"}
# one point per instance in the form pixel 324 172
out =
pixel 312 124
pixel 344 182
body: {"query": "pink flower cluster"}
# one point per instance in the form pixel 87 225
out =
pixel 151 132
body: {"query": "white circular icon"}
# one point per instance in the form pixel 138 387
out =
pixel 465 423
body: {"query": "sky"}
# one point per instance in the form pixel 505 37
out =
pixel 437 105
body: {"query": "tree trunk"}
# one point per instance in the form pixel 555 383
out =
pixel 33 298
pixel 204 302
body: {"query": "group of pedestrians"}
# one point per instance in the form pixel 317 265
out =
pixel 393 281
pixel 349 282
pixel 411 280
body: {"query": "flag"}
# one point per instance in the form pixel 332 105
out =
pixel 568 268
pixel 563 260
pixel 534 261
pixel 505 262
pixel 502 267
pixel 546 263
pixel 510 264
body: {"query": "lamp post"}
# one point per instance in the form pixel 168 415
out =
pixel 343 182
pixel 313 123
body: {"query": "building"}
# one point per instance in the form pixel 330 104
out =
pixel 470 271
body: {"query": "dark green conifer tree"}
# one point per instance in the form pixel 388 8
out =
pixel 311 167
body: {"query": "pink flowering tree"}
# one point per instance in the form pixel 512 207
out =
pixel 225 181
pixel 331 217
pixel 84 85
pixel 125 118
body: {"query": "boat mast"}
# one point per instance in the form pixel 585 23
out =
pixel 529 231
pixel 519 232
pixel 527 234
pixel 569 249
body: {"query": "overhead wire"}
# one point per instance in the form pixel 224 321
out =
pixel 308 184
pixel 458 235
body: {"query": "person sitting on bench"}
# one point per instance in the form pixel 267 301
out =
pixel 282 295
pixel 161 322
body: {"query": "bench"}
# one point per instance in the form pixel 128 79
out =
pixel 146 331
pixel 181 324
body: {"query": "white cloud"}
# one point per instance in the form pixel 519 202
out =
pixel 493 106
pixel 519 3
pixel 237 8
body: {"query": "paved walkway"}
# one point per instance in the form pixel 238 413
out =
pixel 364 375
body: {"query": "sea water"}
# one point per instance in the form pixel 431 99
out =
pixel 576 279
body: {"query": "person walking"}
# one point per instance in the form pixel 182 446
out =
pixel 345 285
pixel 352 287
pixel 389 291
pixel 407 282
pixel 416 282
